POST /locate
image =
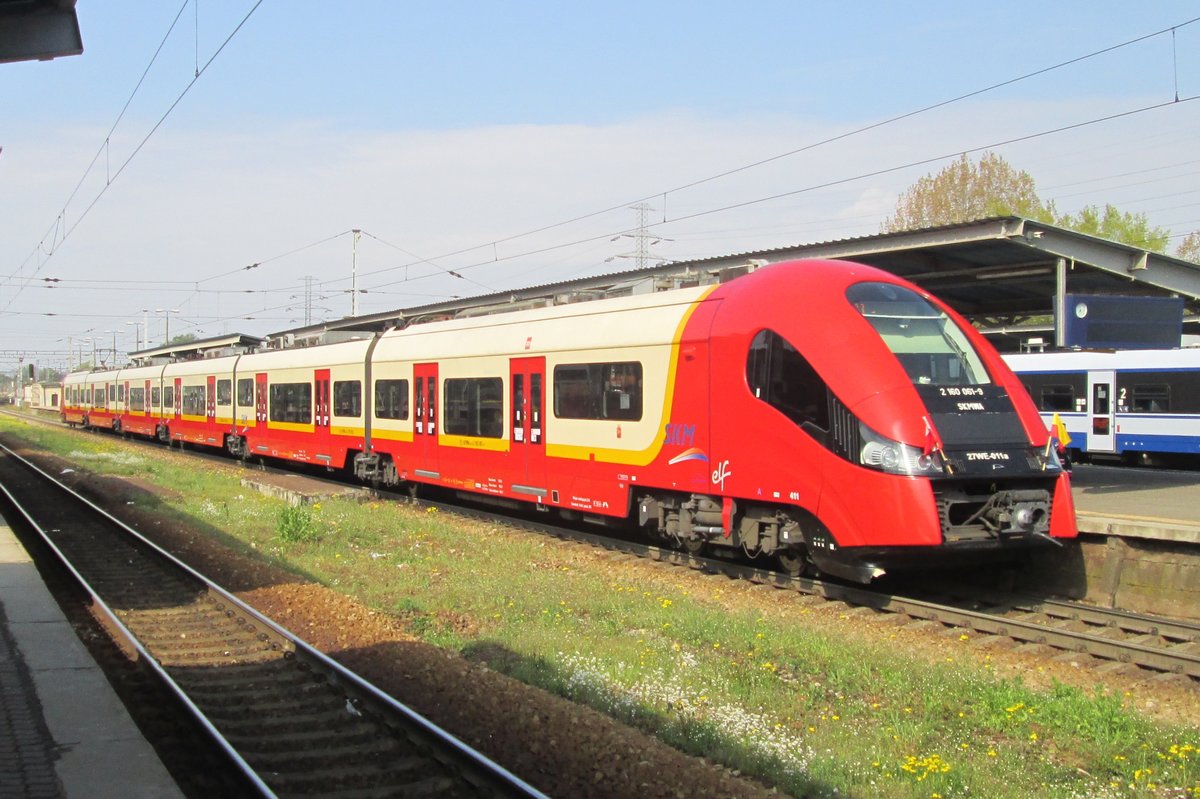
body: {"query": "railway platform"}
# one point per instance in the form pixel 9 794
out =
pixel 1138 503
pixel 1139 542
pixel 63 732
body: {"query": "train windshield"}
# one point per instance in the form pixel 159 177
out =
pixel 927 342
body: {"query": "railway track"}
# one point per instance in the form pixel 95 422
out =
pixel 1108 637
pixel 289 719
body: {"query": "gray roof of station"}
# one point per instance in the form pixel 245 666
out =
pixel 997 272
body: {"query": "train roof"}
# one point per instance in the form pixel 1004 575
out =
pixel 1125 360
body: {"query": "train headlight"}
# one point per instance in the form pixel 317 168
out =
pixel 882 453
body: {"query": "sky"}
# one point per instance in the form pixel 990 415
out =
pixel 200 167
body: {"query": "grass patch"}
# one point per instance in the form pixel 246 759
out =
pixel 796 705
pixel 297 525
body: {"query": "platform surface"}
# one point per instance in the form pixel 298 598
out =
pixel 63 731
pixel 1137 502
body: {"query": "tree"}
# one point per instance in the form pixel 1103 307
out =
pixel 964 191
pixel 1116 225
pixel 1189 248
pixel 182 338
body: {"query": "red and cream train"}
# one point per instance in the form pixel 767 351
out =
pixel 820 412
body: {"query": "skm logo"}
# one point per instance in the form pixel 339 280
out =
pixel 681 435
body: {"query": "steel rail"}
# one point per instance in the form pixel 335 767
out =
pixel 480 770
pixel 1138 653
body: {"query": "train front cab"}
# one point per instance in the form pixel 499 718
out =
pixel 894 434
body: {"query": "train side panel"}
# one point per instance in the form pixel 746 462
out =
pixel 605 375
pixel 1131 403
pixel 305 405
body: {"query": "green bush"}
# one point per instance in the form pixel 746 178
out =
pixel 297 525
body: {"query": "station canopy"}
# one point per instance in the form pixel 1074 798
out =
pixel 38 30
pixel 1005 274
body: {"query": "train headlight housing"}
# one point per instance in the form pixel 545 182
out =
pixel 893 457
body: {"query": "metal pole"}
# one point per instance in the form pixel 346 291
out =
pixel 1060 304
pixel 354 276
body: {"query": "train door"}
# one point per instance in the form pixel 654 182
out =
pixel 178 398
pixel 321 410
pixel 210 401
pixel 425 433
pixel 260 403
pixel 1101 410
pixel 527 431
pixel 147 397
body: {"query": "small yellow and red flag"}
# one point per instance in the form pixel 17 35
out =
pixel 1059 430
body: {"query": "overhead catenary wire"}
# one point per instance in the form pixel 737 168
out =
pixel 829 140
pixel 66 230
pixel 256 315
pixel 807 189
pixel 499 258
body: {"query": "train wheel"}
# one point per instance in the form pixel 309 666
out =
pixel 693 546
pixel 792 561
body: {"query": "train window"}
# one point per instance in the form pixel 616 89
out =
pixel 929 344
pixel 99 402
pixel 391 399
pixel 780 376
pixel 1057 398
pixel 245 392
pixel 598 391
pixel 137 399
pixel 169 396
pixel 112 392
pixel 290 402
pixel 347 398
pixel 194 400
pixel 474 406
pixel 1151 398
pixel 155 397
pixel 224 392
